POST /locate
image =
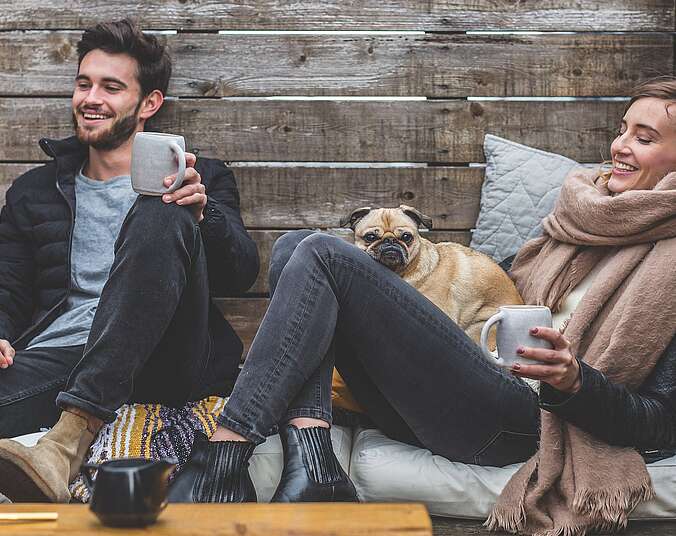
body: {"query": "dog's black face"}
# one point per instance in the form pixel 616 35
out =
pixel 391 252
pixel 389 236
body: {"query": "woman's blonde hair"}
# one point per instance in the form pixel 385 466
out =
pixel 662 87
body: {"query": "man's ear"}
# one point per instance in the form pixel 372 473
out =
pixel 353 218
pixel 150 104
pixel 417 216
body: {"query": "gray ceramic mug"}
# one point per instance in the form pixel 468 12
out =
pixel 155 156
pixel 513 325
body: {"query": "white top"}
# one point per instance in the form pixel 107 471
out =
pixel 560 317
pixel 568 306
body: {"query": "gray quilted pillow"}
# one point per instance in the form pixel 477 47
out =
pixel 520 188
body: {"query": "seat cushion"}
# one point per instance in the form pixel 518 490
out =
pixel 384 470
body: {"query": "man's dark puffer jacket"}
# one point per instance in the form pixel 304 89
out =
pixel 36 227
pixel 644 419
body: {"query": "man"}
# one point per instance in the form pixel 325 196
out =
pixel 105 295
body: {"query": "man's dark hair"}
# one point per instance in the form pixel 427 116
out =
pixel 125 37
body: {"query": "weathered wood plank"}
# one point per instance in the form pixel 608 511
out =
pixel 318 197
pixel 304 197
pixel 244 315
pixel 265 240
pixel 45 63
pixel 440 15
pixel 9 172
pixel 337 519
pixel 341 131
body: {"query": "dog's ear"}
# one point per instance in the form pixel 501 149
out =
pixel 417 216
pixel 353 218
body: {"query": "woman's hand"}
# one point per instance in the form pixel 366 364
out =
pixel 557 367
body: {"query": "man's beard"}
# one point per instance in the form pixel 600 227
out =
pixel 111 138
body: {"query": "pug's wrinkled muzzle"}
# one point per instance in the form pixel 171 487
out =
pixel 392 254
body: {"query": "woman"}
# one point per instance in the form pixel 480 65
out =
pixel 607 386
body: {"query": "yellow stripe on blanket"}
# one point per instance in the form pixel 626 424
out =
pixel 151 431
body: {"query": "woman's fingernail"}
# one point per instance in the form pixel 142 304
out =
pixel 516 366
pixel 520 350
pixel 166 198
pixel 533 330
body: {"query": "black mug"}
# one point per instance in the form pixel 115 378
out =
pixel 128 492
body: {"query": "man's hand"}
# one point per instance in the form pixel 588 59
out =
pixel 557 367
pixel 6 354
pixel 192 191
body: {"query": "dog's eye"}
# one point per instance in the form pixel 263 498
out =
pixel 407 237
pixel 370 237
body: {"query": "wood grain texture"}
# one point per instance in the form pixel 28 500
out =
pixel 433 65
pixel 266 238
pixel 295 197
pixel 238 519
pixel 305 197
pixel 438 15
pixel 244 315
pixel 341 131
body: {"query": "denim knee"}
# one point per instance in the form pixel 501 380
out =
pixel 282 250
pixel 324 245
pixel 152 211
pixel 151 220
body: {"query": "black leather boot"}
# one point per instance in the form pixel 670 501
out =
pixel 215 472
pixel 311 472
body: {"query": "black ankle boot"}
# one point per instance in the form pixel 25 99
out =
pixel 215 472
pixel 311 472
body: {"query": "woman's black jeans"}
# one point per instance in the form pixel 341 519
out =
pixel 419 377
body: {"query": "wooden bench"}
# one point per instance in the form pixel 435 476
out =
pixel 336 105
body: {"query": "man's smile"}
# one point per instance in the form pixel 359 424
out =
pixel 93 118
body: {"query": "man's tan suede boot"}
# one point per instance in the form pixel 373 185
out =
pixel 42 473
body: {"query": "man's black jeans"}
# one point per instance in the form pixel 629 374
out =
pixel 420 378
pixel 149 341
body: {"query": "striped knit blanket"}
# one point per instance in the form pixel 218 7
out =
pixel 150 431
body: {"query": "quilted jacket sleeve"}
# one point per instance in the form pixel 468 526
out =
pixel 232 255
pixel 17 268
pixel 645 419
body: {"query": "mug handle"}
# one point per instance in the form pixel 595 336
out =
pixel 484 336
pixel 180 174
pixel 86 472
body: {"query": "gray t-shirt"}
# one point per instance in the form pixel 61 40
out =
pixel 100 211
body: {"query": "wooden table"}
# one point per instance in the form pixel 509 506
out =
pixel 333 519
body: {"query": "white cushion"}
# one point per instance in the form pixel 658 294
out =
pixel 384 470
pixel 266 463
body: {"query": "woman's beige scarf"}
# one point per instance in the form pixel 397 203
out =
pixel 621 327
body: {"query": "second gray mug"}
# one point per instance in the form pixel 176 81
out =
pixel 513 325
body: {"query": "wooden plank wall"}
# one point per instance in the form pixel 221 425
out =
pixel 335 105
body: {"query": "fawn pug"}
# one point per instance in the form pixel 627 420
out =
pixel 466 285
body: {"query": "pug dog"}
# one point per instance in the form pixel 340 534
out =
pixel 466 285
